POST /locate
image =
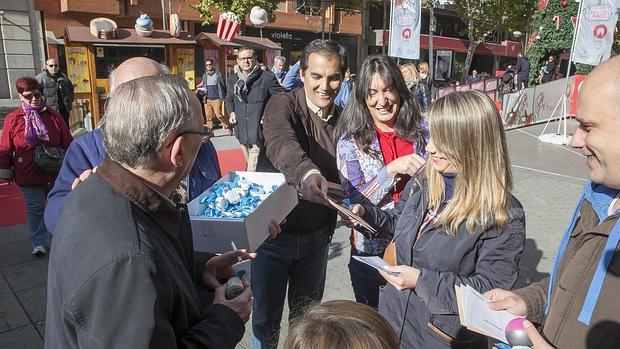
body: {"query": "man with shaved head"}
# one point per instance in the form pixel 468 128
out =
pixel 86 152
pixel 57 88
pixel 578 304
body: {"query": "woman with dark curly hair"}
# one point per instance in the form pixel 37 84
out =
pixel 31 130
pixel 381 139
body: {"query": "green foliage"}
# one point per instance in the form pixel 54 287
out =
pixel 240 7
pixel 552 41
pixel 485 17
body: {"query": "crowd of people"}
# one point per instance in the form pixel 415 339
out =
pixel 432 179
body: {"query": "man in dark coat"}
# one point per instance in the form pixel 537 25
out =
pixel 523 71
pixel 122 273
pixel 248 92
pixel 57 89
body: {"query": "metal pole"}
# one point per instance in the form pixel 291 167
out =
pixel 163 14
pixel 323 9
pixel 384 24
pixel 570 61
pixel 431 31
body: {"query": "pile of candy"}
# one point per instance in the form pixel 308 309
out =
pixel 234 199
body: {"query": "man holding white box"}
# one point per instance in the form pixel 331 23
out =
pixel 299 142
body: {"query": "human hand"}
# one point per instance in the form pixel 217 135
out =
pixel 314 188
pixel 506 300
pixel 83 176
pixel 538 342
pixel 221 267
pixel 407 276
pixel 242 304
pixel 232 118
pixel 407 164
pixel 274 229
pixel 348 221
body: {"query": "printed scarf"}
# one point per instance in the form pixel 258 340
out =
pixel 34 125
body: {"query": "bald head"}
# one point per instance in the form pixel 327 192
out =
pixel 134 68
pixel 599 124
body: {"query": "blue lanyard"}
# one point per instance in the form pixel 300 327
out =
pixel 585 316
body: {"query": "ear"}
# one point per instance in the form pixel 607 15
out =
pixel 176 152
pixel 301 76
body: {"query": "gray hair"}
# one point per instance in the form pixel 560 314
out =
pixel 141 114
pixel 278 59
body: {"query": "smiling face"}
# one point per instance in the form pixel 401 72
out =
pixel 383 102
pixel 598 135
pixel 322 79
pixel 439 160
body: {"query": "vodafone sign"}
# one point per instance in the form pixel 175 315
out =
pixel 599 32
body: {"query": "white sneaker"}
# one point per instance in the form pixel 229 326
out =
pixel 39 251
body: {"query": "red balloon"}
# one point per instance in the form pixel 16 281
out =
pixel 564 3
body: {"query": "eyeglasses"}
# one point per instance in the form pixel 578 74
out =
pixel 245 58
pixel 206 133
pixel 30 95
pixel 52 65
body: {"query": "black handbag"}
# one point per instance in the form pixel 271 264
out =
pixel 48 159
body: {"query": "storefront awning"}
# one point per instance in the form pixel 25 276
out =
pixel 239 41
pixel 128 37
pixel 52 39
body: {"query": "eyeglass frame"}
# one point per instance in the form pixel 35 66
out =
pixel 32 95
pixel 206 133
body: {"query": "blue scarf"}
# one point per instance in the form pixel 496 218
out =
pixel 600 197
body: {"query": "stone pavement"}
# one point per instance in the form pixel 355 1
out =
pixel 547 181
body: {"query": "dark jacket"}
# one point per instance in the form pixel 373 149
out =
pixel 221 86
pixel 548 72
pixel 87 152
pixel 572 282
pixel 17 156
pixel 422 94
pixel 50 85
pixel 121 272
pixel 291 148
pixel 523 68
pixel 427 316
pixel 250 114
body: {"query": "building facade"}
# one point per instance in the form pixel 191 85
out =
pixel 21 49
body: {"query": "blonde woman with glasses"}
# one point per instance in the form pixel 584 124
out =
pixel 456 223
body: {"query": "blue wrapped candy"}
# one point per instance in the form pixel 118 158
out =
pixel 236 198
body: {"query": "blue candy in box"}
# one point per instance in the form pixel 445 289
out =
pixel 239 208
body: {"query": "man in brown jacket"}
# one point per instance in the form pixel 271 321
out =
pixel 578 306
pixel 299 141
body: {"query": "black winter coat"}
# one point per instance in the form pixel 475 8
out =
pixel 427 316
pixel 50 86
pixel 250 114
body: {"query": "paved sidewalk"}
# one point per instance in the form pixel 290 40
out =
pixel 547 181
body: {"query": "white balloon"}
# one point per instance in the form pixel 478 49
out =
pixel 258 17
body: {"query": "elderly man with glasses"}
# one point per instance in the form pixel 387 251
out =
pixel 57 89
pixel 122 272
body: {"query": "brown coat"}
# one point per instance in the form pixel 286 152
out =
pixel 574 275
pixel 293 148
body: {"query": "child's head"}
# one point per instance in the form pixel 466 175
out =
pixel 341 324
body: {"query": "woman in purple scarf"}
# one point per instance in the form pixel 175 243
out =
pixel 31 124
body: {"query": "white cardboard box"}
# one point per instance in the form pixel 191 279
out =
pixel 215 234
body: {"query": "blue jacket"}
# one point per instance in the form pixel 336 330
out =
pixel 88 151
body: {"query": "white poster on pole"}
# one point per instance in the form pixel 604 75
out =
pixel 595 31
pixel 405 29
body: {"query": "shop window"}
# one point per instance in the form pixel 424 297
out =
pixel 109 57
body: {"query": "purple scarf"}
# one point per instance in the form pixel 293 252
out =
pixel 34 125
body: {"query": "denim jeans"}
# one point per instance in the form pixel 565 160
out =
pixel 365 280
pixel 299 260
pixel 35 197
